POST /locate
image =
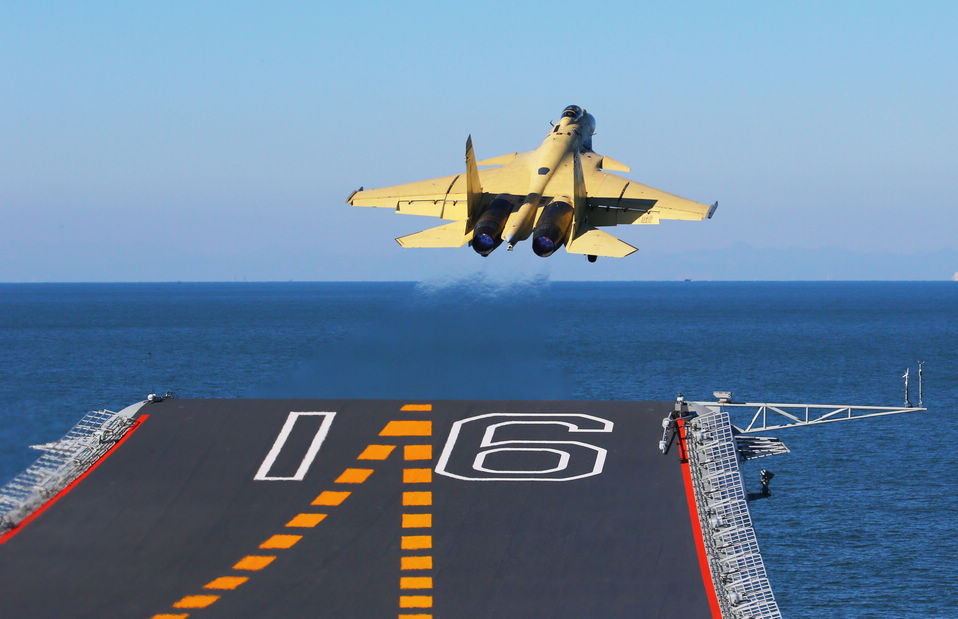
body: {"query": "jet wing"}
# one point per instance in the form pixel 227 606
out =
pixel 445 197
pixel 615 200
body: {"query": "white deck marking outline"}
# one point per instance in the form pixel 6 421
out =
pixel 263 473
pixel 479 463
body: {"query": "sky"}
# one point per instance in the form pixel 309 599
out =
pixel 186 141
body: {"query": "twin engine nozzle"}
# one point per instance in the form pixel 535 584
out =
pixel 487 235
pixel 551 231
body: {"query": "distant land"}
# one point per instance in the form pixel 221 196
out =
pixel 745 263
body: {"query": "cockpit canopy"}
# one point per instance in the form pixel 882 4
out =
pixel 573 111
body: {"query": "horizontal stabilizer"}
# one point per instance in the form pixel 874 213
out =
pixel 447 235
pixel 594 242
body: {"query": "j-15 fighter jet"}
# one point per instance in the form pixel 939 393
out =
pixel 559 194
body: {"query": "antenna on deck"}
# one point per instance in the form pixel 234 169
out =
pixel 920 364
pixel 905 376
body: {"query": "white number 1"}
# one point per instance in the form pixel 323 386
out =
pixel 263 473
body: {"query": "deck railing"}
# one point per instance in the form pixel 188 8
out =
pixel 738 572
pixel 61 462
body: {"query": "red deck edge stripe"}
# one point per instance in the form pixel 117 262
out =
pixel 696 527
pixel 59 495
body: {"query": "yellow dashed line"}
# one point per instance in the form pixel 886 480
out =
pixel 416 521
pixel 415 601
pixel 413 520
pixel 281 541
pixel 407 428
pixel 329 497
pixel 196 601
pixel 306 520
pixel 420 408
pixel 376 452
pixel 417 476
pixel 226 582
pixel 417 452
pixel 417 498
pixel 354 476
pixel 253 563
pixel 415 582
pixel 416 542
pixel 416 563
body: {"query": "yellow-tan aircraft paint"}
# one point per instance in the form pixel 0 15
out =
pixel 559 193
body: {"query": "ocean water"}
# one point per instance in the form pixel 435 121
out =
pixel 863 517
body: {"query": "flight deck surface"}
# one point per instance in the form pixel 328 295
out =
pixel 369 508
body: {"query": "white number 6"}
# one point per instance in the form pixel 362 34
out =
pixel 554 460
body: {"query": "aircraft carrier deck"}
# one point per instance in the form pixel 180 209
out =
pixel 377 508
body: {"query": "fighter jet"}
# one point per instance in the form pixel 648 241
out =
pixel 559 194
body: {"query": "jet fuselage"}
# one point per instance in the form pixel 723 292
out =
pixel 572 133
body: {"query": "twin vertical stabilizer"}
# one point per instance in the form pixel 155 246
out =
pixel 473 187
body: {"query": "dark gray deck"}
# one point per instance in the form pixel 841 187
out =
pixel 176 506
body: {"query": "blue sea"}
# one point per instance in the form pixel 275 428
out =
pixel 862 518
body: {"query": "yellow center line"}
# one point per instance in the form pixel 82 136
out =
pixel 281 541
pixel 416 408
pixel 376 452
pixel 415 601
pixel 329 497
pixel 417 452
pixel 407 428
pixel 417 498
pixel 418 475
pixel 253 563
pixel 416 542
pixel 226 582
pixel 354 476
pixel 306 520
pixel 416 521
pixel 416 563
pixel 196 601
pixel 415 582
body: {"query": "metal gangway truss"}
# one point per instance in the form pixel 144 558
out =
pixel 767 416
